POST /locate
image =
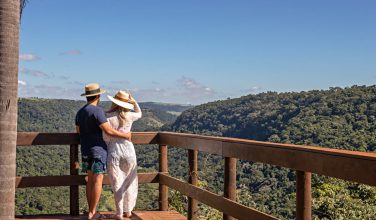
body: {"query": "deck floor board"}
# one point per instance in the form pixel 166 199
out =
pixel 137 215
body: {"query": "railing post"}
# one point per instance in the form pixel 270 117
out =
pixel 230 182
pixel 303 195
pixel 74 191
pixel 192 179
pixel 163 189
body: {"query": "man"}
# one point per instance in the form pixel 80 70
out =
pixel 90 122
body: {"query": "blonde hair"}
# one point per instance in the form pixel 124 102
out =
pixel 121 113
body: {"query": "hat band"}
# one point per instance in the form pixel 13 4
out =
pixel 121 99
pixel 90 92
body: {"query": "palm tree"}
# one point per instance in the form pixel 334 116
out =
pixel 9 46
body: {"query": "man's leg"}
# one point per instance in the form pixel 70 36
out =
pixel 89 187
pixel 96 190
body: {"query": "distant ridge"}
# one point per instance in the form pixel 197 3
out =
pixel 343 118
pixel 57 115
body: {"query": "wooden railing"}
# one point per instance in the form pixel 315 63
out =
pixel 347 165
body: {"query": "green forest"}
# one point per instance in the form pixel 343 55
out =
pixel 341 118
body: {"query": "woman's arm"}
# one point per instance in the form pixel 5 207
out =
pixel 106 128
pixel 137 114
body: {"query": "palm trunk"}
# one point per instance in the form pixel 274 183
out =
pixel 9 44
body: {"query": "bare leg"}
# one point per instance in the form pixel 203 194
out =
pixel 95 188
pixel 95 194
pixel 89 188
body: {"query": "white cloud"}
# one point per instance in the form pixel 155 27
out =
pixel 195 88
pixel 29 57
pixel 74 52
pixel 21 83
pixel 50 91
pixel 35 73
pixel 254 90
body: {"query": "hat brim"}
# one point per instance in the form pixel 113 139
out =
pixel 94 94
pixel 121 103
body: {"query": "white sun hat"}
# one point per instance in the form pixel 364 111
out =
pixel 122 99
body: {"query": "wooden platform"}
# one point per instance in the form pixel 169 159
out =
pixel 137 215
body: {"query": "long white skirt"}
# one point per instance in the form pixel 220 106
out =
pixel 122 170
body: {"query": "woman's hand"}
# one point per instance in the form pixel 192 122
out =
pixel 131 99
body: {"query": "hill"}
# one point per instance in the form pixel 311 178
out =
pixel 335 118
pixel 57 115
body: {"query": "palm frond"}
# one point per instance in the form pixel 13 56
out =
pixel 22 6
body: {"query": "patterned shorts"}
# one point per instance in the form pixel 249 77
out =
pixel 94 165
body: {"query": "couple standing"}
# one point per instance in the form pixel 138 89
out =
pixel 106 142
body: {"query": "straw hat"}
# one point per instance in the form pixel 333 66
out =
pixel 92 89
pixel 122 99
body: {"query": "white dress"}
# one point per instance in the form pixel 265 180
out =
pixel 122 162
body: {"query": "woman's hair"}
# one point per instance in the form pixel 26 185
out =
pixel 121 113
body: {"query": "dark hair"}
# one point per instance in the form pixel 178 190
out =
pixel 91 98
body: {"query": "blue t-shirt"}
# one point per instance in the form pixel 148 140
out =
pixel 89 118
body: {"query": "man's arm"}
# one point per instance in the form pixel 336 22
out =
pixel 77 129
pixel 106 127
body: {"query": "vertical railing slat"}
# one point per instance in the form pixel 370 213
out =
pixel 303 195
pixel 163 189
pixel 74 206
pixel 230 182
pixel 192 179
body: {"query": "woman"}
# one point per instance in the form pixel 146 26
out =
pixel 121 161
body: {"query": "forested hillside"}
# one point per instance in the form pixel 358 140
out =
pixel 57 115
pixel 335 118
pixel 52 115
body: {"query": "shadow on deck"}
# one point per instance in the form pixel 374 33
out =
pixel 137 215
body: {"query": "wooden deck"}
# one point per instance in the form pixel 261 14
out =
pixel 137 215
pixel 305 160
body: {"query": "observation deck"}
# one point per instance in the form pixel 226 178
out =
pixel 347 165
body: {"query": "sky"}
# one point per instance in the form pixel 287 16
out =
pixel 195 51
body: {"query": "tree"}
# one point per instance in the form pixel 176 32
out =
pixel 9 46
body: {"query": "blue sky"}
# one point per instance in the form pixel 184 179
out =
pixel 195 51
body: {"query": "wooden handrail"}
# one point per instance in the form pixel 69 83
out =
pixel 36 138
pixel 72 180
pixel 343 164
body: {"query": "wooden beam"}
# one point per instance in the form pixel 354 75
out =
pixel 303 196
pixel 347 165
pixel 74 203
pixel 192 179
pixel 230 182
pixel 35 138
pixel 338 164
pixel 74 180
pixel 218 202
pixel 191 142
pixel 163 168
